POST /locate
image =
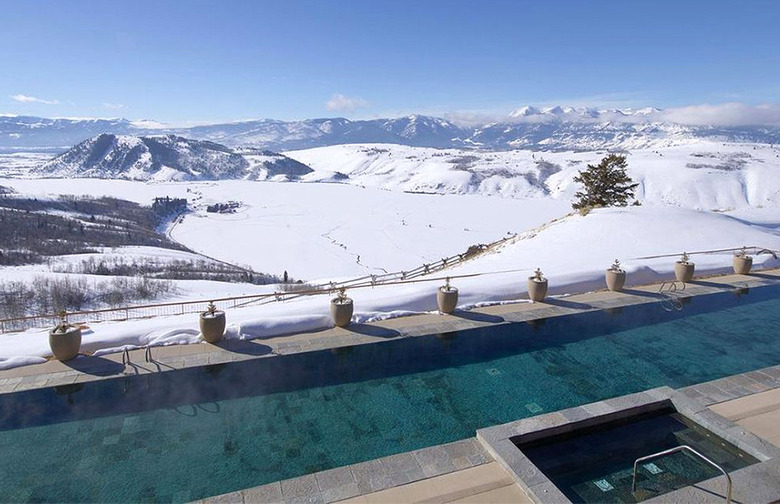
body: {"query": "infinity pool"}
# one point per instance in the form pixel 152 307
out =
pixel 182 435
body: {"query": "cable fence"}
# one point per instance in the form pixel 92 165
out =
pixel 412 276
pixel 288 292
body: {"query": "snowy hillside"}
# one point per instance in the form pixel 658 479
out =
pixel 165 158
pixel 701 175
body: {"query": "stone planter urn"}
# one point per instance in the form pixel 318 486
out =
pixel 537 286
pixel 341 308
pixel 212 324
pixel 65 339
pixel 447 297
pixel 742 262
pixel 616 277
pixel 683 269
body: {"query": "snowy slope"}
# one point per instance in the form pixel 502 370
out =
pixel 701 175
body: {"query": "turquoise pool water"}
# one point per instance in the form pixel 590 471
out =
pixel 183 435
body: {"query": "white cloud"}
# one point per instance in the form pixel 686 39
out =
pixel 725 114
pixel 339 102
pixel 31 99
pixel 113 106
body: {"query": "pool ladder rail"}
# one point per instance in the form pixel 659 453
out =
pixel 147 355
pixel 679 449
pixel 670 301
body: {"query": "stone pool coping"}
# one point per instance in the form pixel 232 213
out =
pixel 755 483
pixel 167 358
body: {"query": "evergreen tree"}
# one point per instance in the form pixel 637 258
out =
pixel 605 184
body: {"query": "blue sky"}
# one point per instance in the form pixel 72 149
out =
pixel 196 60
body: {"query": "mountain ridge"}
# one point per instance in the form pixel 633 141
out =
pixel 167 158
pixel 548 129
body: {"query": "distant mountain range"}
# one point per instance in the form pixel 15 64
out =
pixel 167 158
pixel 550 129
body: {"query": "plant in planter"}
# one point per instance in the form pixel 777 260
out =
pixel 683 269
pixel 537 286
pixel 742 262
pixel 65 339
pixel 212 323
pixel 341 308
pixel 447 297
pixel 616 277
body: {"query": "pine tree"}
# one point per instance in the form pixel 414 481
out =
pixel 605 184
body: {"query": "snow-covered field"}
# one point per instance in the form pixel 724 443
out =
pixel 318 231
pixel 368 224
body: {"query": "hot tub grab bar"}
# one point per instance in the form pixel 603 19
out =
pixel 683 448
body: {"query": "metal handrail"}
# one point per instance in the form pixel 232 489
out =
pixel 677 449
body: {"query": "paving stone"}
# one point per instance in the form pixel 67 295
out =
pixel 773 371
pixel 463 448
pixel 303 486
pixel 402 468
pixel 401 462
pixel 402 478
pixel 599 408
pixel 434 461
pixel 334 478
pixel 228 498
pixel 576 414
pixel 341 493
pixel 478 459
pixel 371 476
pixel 271 493
pixel 310 499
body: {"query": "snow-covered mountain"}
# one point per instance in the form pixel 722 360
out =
pixel 38 132
pixel 549 129
pixel 166 158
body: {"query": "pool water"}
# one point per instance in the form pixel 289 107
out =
pixel 597 465
pixel 186 434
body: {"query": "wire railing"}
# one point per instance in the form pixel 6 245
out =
pixel 84 317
